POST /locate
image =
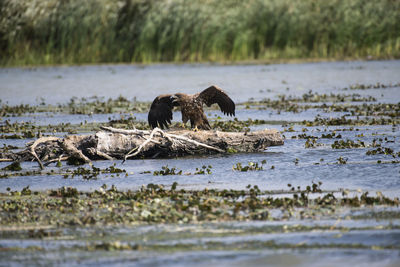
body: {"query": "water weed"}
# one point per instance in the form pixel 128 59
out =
pixel 251 166
pixel 154 203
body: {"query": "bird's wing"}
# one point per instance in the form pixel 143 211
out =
pixel 214 94
pixel 160 113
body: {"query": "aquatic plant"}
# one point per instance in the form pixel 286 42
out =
pixel 165 170
pixel 344 121
pixel 377 85
pixel 251 166
pixel 89 106
pixel 155 204
pixel 383 150
pixel 94 172
pixel 313 97
pixel 342 160
pixel 236 125
pixel 342 144
pixel 331 135
pixel 49 32
pixel 64 192
pixel 203 170
pixel 312 143
pixel 15 166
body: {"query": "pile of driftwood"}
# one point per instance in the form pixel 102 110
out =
pixel 111 143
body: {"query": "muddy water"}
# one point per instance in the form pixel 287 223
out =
pixel 223 244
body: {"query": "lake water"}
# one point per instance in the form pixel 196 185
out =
pixel 59 84
pixel 293 163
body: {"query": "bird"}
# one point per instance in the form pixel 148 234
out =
pixel 191 106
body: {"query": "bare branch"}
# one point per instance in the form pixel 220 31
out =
pixel 37 142
pixel 138 149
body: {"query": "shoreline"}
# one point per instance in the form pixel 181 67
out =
pixel 207 63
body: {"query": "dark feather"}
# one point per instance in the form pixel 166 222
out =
pixel 160 114
pixel 215 95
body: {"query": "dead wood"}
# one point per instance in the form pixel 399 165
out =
pixel 60 158
pixel 111 143
pixel 37 142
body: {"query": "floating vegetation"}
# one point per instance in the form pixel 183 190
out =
pixel 344 121
pixel 26 191
pixel 110 246
pixel 312 140
pixel 251 166
pixel 289 130
pixel 342 160
pixel 18 110
pixel 343 144
pixel 168 171
pixel 15 166
pixel 312 143
pixel 97 105
pixel 312 97
pixel 383 150
pixel 24 135
pixel 89 174
pixel 165 170
pixel 7 148
pixel 303 136
pixel 231 125
pixel 154 204
pixel 24 130
pixel 236 125
pixel 331 135
pixel 86 106
pixel 17 173
pixel 377 85
pixel 128 123
pixel 295 104
pixel 280 105
pixel 365 109
pixel 203 170
pixel 65 192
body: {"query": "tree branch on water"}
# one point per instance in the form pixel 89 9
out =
pixel 37 142
pixel 112 143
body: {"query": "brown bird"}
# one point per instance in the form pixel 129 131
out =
pixel 191 106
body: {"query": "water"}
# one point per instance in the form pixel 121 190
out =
pixel 59 84
pixel 221 244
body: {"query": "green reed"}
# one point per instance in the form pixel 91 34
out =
pixel 96 31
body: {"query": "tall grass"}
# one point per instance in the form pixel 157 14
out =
pixel 94 31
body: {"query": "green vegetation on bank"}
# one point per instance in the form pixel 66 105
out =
pixel 97 31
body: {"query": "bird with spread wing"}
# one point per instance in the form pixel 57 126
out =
pixel 160 114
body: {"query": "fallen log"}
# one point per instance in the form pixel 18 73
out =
pixel 111 143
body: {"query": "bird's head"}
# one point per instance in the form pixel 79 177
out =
pixel 176 98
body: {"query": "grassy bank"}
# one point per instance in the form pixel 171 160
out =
pixel 98 31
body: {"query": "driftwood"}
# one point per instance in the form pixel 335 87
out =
pixel 111 143
pixel 36 143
